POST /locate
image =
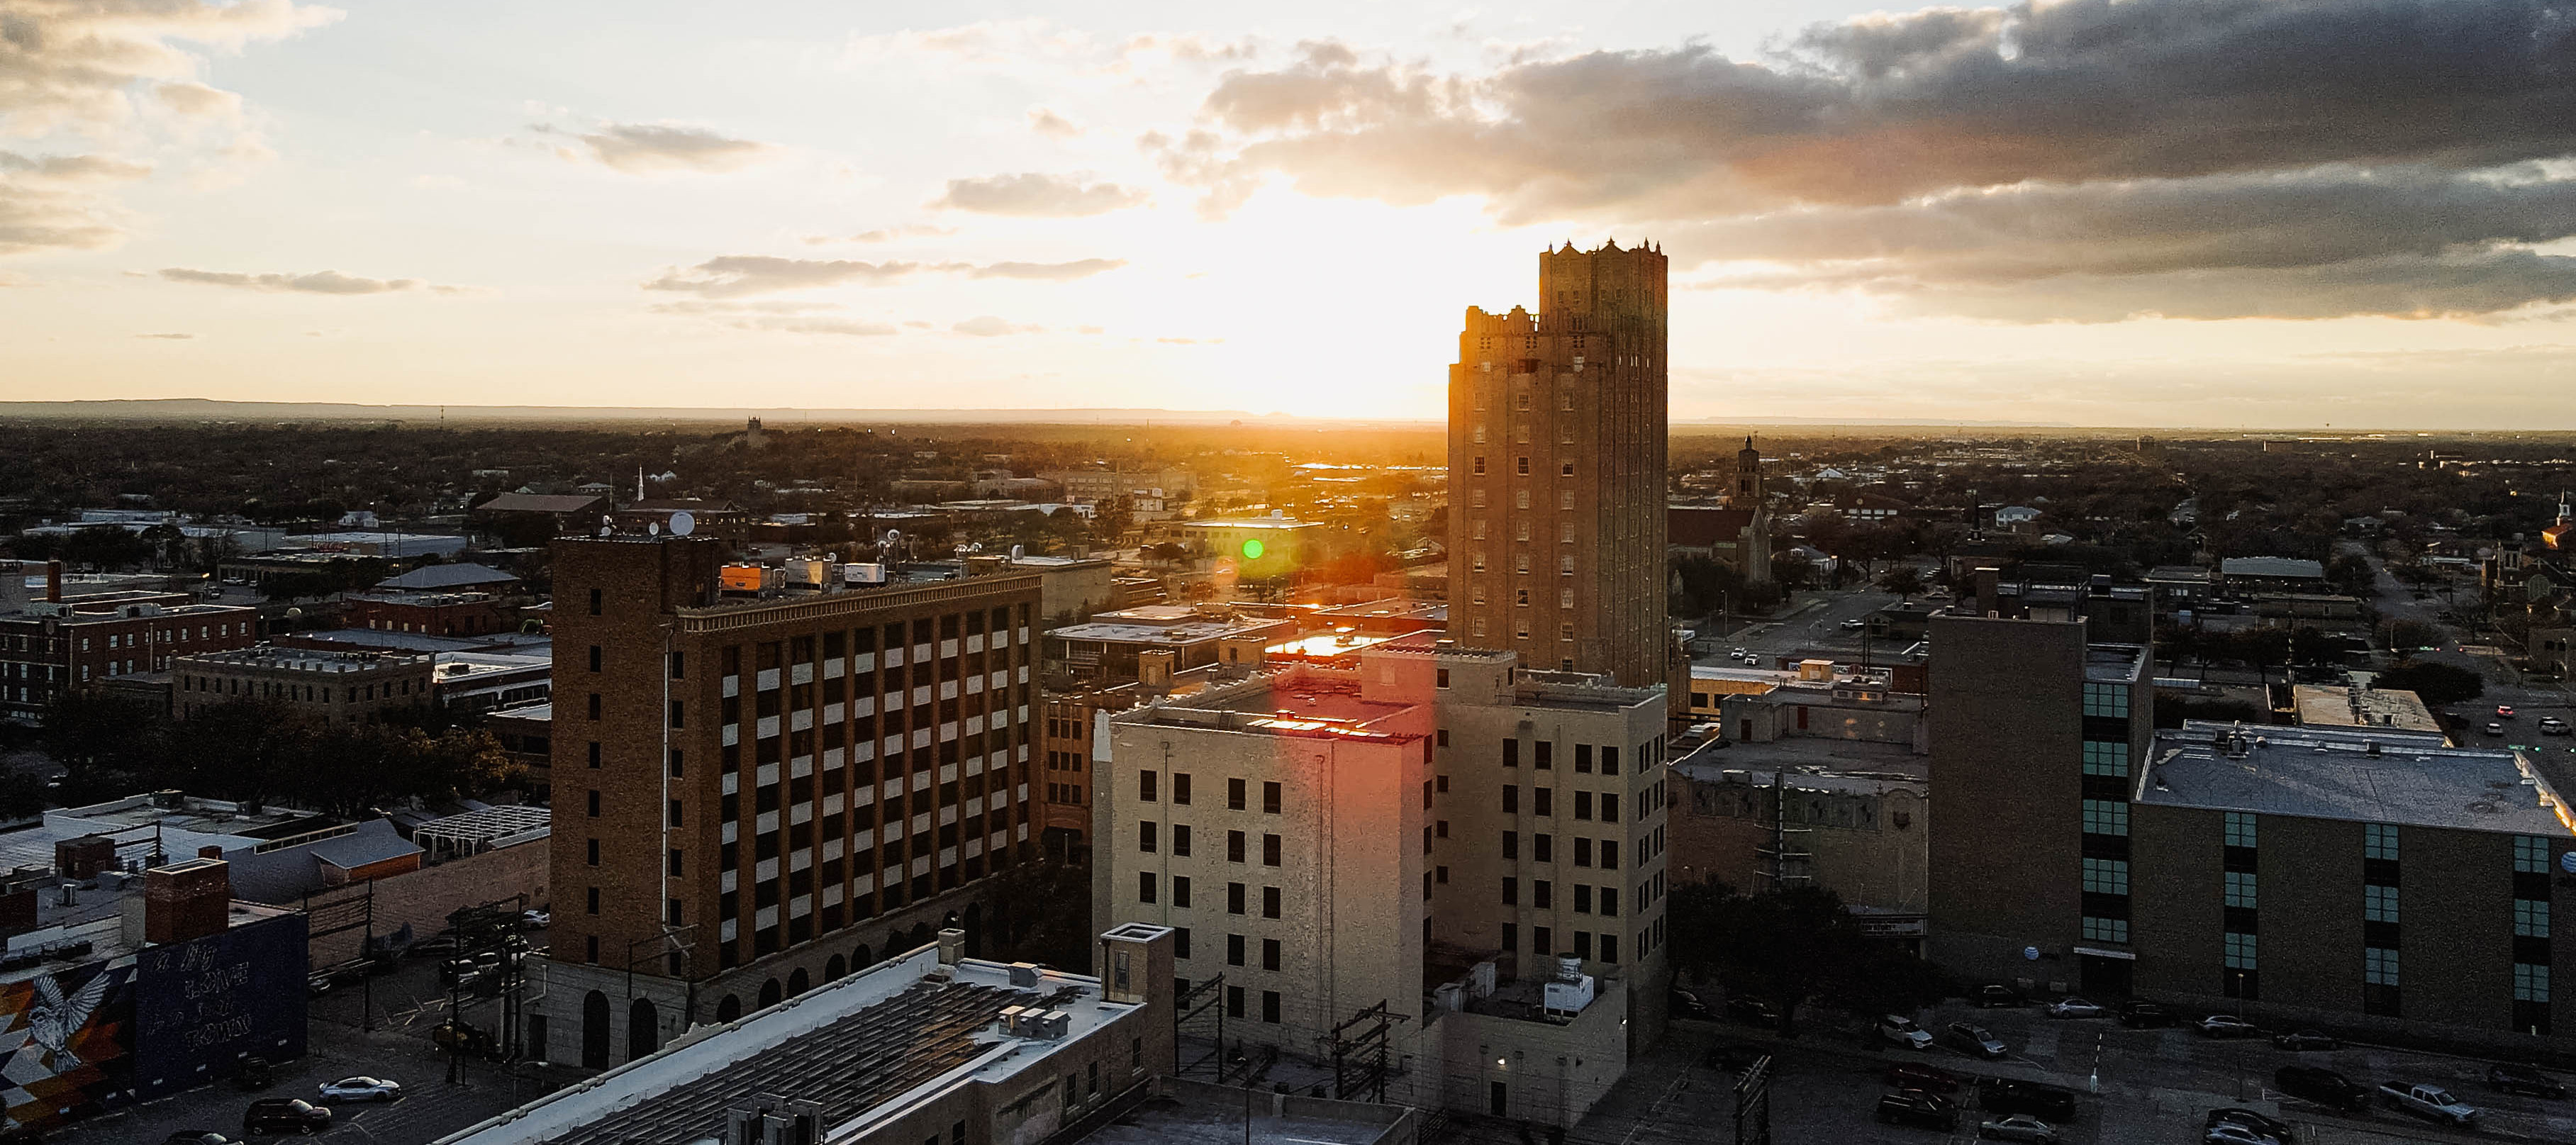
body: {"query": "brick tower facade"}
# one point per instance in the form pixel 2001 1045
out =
pixel 1557 444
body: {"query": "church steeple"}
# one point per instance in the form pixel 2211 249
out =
pixel 1748 476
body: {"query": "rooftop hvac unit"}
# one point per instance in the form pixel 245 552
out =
pixel 774 1120
pixel 1024 974
pixel 863 574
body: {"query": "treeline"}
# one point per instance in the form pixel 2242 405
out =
pixel 253 750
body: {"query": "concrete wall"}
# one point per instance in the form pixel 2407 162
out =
pixel 424 898
pixel 1551 1073
pixel 1873 849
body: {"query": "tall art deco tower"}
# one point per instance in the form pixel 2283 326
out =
pixel 1557 442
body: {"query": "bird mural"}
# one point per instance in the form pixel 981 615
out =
pixel 58 1018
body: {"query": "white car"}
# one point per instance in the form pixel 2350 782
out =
pixel 2230 1133
pixel 536 919
pixel 2018 1127
pixel 1854 625
pixel 1903 1032
pixel 362 1089
pixel 2074 1008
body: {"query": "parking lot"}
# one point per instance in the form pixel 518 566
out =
pixel 407 1002
pixel 2134 1086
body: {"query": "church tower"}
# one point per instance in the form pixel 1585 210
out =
pixel 1557 457
pixel 1748 478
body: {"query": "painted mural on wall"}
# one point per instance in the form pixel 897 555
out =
pixel 206 1004
pixel 65 1045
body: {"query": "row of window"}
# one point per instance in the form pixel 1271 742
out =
pixel 1543 849
pixel 1237 895
pixel 1543 803
pixel 1587 899
pixel 1237 791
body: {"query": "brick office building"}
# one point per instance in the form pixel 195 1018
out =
pixel 332 688
pixel 58 643
pixel 1557 445
pixel 2367 879
pixel 2036 731
pixel 754 793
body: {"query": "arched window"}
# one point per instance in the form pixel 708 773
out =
pixel 594 1031
pixel 798 983
pixel 769 993
pixel 833 969
pixel 729 1009
pixel 643 1029
pixel 860 959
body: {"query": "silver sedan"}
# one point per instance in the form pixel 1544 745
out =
pixel 362 1089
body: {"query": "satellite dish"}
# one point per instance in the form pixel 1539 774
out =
pixel 606 531
pixel 683 523
pixel 653 527
pixel 893 536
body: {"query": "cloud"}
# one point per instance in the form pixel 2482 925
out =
pixel 655 148
pixel 1037 195
pixel 73 66
pixel 2142 140
pixel 169 337
pixel 1051 125
pixel 700 306
pixel 1048 271
pixel 60 202
pixel 317 282
pixel 732 275
pixel 842 326
pixel 885 234
pixel 988 326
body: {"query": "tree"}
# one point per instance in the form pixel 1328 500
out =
pixel 1111 517
pixel 101 740
pixel 1789 945
pixel 1903 580
pixel 2435 684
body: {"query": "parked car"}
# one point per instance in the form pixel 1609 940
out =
pixel 2430 1102
pixel 1752 1012
pixel 285 1115
pixel 2304 1040
pixel 1684 1004
pixel 199 1137
pixel 463 1038
pixel 2553 726
pixel 434 944
pixel 1854 625
pixel 1901 1030
pixel 2230 1133
pixel 2225 1026
pixel 536 919
pixel 1998 994
pixel 2272 1127
pixel 2507 1078
pixel 2018 1127
pixel 2322 1086
pixel 362 1089
pixel 2010 1095
pixel 2494 728
pixel 1930 1079
pixel 2144 1015
pixel 253 1074
pixel 1918 1109
pixel 2074 1008
pixel 1973 1040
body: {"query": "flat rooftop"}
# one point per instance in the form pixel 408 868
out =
pixel 305 659
pixel 1198 631
pixel 1808 756
pixel 1296 697
pixel 1197 1114
pixel 2114 663
pixel 2322 706
pixel 2414 779
pixel 183 828
pixel 893 1032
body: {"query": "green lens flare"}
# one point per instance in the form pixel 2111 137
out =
pixel 1252 550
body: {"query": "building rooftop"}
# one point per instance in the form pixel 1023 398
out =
pixel 1250 523
pixel 2377 775
pixel 2272 567
pixel 304 659
pixel 873 1045
pixel 1199 1114
pixel 177 824
pixel 2322 706
pixel 1286 701
pixel 429 577
pixel 1156 631
pixel 519 642
pixel 2114 663
pixel 1327 645
pixel 1806 757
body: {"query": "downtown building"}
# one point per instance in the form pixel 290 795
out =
pixel 758 790
pixel 2369 880
pixel 1472 849
pixel 1557 457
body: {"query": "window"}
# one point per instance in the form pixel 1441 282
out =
pixel 2531 918
pixel 594 805
pixel 1145 786
pixel 2379 904
pixel 1270 954
pixel 1234 950
pixel 1234 846
pixel 1511 891
pixel 1269 902
pixel 2530 982
pixel 2106 817
pixel 1144 886
pixel 2240 827
pixel 2106 876
pixel 1181 839
pixel 2379 841
pixel 1610 902
pixel 2378 966
pixel 2530 855
pixel 1180 789
pixel 2106 929
pixel 2106 700
pixel 1542 801
pixel 1511 752
pixel 1145 834
pixel 1270 796
pixel 1582 898
pixel 2109 759
pixel 594 852
pixel 1523 464
pixel 1511 799
pixel 1542 894
pixel 1583 805
pixel 1543 848
pixel 1511 844
pixel 1180 934
pixel 2240 889
pixel 1270 1006
pixel 2240 953
pixel 1234 898
pixel 1270 850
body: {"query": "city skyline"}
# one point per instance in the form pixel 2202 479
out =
pixel 1919 214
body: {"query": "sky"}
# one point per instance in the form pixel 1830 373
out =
pixel 2258 213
